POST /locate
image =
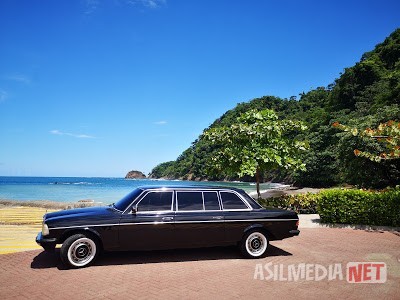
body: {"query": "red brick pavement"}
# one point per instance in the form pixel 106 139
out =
pixel 218 273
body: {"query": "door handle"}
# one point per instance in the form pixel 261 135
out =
pixel 167 218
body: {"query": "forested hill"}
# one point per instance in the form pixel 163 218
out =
pixel 363 96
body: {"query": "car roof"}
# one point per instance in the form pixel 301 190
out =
pixel 249 199
pixel 188 187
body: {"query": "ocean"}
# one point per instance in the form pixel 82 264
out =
pixel 100 189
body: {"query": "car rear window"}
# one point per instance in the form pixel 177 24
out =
pixel 232 201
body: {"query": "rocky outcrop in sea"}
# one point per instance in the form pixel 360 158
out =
pixel 135 175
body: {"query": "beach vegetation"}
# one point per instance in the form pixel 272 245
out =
pixel 345 206
pixel 257 142
pixel 301 203
pixel 387 134
pixel 353 206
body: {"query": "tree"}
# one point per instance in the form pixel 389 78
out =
pixel 257 142
pixel 387 134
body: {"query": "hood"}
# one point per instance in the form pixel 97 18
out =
pixel 79 212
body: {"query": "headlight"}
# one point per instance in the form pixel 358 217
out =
pixel 45 229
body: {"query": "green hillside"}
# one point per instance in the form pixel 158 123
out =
pixel 363 96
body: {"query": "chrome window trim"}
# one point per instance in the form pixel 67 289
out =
pixel 197 211
pixel 200 189
pixel 218 199
pixel 113 206
pixel 138 197
pixel 145 193
pixel 157 222
pixel 153 212
pixel 188 191
pixel 249 208
pixel 218 192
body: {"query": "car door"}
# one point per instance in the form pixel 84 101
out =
pixel 152 225
pixel 199 219
pixel 237 215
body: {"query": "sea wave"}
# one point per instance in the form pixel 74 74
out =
pixel 75 183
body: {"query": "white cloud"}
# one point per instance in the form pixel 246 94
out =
pixel 18 78
pixel 161 123
pixel 3 95
pixel 80 136
pixel 150 3
pixel 91 6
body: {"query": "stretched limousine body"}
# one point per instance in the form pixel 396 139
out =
pixel 151 218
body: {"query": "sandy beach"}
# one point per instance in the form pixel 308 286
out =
pixel 19 226
pixel 20 222
pixel 285 190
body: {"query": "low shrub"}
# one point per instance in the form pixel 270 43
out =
pixel 301 203
pixel 345 206
pixel 360 207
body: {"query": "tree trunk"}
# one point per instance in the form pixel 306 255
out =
pixel 258 183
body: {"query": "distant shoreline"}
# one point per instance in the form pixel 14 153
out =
pixel 285 190
pixel 48 204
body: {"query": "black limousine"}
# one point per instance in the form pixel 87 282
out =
pixel 167 217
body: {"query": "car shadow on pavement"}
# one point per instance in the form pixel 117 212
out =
pixel 46 260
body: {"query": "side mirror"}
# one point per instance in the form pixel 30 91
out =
pixel 134 210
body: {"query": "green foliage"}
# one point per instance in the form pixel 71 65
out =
pixel 374 79
pixel 364 96
pixel 387 134
pixel 301 203
pixel 357 170
pixel 165 169
pixel 256 142
pixel 345 206
pixel 360 207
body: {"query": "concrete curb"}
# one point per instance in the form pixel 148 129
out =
pixel 314 221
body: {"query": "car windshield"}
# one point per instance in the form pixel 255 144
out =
pixel 124 202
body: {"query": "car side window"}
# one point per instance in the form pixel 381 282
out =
pixel 232 201
pixel 211 201
pixel 155 201
pixel 190 201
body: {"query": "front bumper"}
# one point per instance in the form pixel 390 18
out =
pixel 43 241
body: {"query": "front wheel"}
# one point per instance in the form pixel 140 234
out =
pixel 49 248
pixel 78 251
pixel 254 244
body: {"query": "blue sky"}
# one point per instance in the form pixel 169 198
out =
pixel 98 88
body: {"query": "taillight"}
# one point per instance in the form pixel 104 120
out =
pixel 297 223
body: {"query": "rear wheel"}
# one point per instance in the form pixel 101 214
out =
pixel 78 251
pixel 254 244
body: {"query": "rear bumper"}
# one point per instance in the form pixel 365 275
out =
pixel 294 232
pixel 43 241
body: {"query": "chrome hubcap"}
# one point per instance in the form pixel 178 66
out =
pixel 256 244
pixel 81 252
